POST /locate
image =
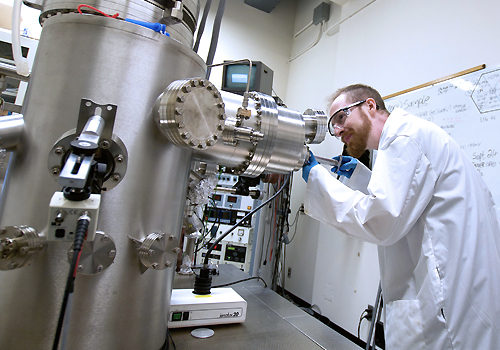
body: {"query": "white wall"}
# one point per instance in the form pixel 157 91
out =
pixel 343 270
pixel 247 32
pixel 391 45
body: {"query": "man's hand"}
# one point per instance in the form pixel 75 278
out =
pixel 347 167
pixel 311 162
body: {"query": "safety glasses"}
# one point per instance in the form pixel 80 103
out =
pixel 337 120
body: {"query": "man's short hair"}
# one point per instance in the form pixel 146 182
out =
pixel 359 92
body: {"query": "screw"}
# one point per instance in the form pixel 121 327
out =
pixel 55 171
pixel 59 151
pixel 105 238
pixel 99 268
pixel 70 253
pixel 171 237
pixel 154 265
pixel 168 264
pixel 177 250
pixel 24 250
pixel 105 144
pixel 151 252
pixel 119 158
pixel 80 268
pixel 116 177
pixel 112 253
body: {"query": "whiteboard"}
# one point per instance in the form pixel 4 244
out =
pixel 468 109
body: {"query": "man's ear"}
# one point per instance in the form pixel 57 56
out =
pixel 371 104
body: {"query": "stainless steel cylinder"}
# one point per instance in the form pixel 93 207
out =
pixel 248 138
pixel 142 10
pixel 110 62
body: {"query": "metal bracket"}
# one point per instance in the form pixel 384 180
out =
pixel 89 109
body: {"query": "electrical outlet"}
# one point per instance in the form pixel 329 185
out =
pixel 301 208
pixel 369 312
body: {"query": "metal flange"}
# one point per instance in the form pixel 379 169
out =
pixel 19 246
pixel 96 255
pixel 157 251
pixel 316 125
pixel 113 153
pixel 191 113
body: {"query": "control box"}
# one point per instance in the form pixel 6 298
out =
pixel 238 255
pixel 221 306
pixel 64 215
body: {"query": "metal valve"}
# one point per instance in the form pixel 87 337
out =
pixel 19 246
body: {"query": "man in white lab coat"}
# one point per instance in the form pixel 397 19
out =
pixel 431 215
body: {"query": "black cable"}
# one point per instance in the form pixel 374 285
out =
pixel 217 241
pixel 215 36
pixel 82 226
pixel 170 336
pixel 244 280
pixel 201 27
pixel 166 344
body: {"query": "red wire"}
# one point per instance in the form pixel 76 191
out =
pixel 77 262
pixel 79 255
pixel 96 10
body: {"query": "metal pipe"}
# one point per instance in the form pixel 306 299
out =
pixel 237 61
pixel 11 128
pixel 335 28
pixel 9 70
pixel 374 318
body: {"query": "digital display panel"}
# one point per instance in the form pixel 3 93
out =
pixel 237 75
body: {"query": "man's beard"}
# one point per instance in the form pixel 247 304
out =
pixel 359 138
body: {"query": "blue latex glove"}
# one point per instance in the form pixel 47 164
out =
pixel 311 162
pixel 347 167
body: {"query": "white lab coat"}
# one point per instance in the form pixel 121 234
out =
pixel 434 221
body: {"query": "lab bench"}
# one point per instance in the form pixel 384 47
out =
pixel 272 322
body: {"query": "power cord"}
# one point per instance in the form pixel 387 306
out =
pixel 366 314
pixel 82 226
pixel 168 339
pixel 243 280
